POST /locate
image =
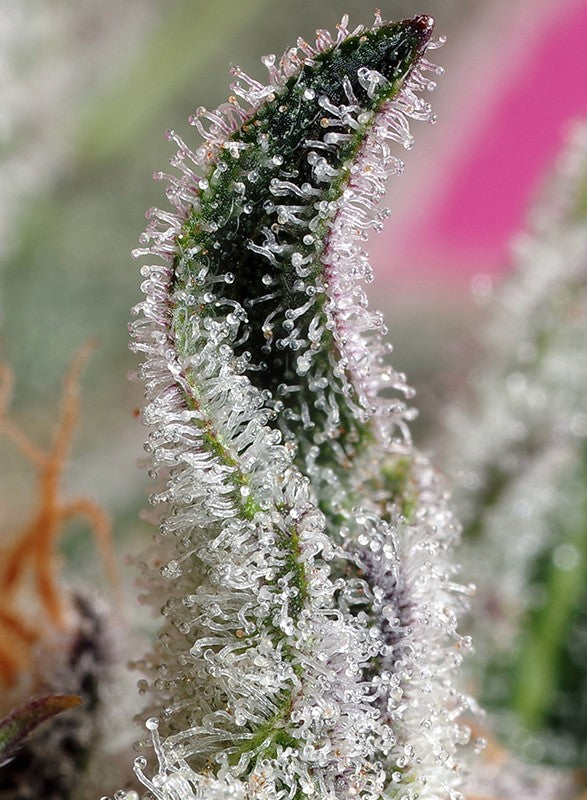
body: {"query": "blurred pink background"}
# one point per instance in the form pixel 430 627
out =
pixel 468 186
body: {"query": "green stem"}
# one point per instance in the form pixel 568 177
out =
pixel 213 442
pixel 272 730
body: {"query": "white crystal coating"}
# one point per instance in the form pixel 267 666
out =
pixel 263 681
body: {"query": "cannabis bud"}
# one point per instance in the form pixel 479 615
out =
pixel 309 644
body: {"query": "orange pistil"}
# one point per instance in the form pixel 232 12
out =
pixel 33 550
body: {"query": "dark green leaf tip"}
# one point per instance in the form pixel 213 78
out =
pixel 272 214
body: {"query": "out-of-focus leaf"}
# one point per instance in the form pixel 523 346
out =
pixel 21 722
